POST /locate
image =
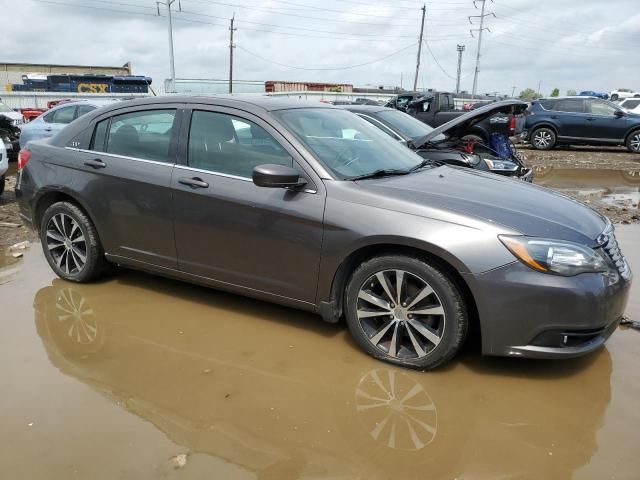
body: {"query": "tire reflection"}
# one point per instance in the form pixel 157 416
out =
pixel 396 410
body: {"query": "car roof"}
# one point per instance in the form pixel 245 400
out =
pixel 245 102
pixel 367 108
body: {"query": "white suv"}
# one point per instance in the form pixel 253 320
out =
pixel 623 93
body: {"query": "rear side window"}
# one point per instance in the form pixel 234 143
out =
pixel 630 104
pixel 98 143
pixel 570 105
pixel 145 134
pixel 222 143
pixel 84 109
pixel 547 104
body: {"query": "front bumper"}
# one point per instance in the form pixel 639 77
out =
pixel 526 313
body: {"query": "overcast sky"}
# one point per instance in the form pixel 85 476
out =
pixel 569 44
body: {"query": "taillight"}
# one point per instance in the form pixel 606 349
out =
pixel 23 158
pixel 512 123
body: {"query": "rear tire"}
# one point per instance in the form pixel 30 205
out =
pixel 422 326
pixel 543 138
pixel 633 142
pixel 71 244
pixel 2 182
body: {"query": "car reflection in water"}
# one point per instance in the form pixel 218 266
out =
pixel 285 396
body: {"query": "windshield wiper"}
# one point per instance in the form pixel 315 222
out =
pixel 425 163
pixel 386 172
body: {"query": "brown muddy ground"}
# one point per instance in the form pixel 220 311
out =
pixel 139 377
pixel 11 229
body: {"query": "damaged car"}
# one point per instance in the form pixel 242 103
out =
pixel 449 143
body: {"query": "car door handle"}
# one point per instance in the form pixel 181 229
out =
pixel 96 163
pixel 590 119
pixel 194 182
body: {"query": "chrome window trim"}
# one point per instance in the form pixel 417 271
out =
pixel 377 123
pixel 113 155
pixel 226 175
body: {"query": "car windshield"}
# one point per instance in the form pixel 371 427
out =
pixel 407 125
pixel 346 144
pixel 4 108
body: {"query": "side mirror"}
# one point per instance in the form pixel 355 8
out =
pixel 619 113
pixel 277 176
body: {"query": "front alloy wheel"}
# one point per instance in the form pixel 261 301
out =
pixel 401 314
pixel 404 311
pixel 633 144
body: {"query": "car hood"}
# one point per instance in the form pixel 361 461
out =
pixel 519 206
pixel 12 115
pixel 463 123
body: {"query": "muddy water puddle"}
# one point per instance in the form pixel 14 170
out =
pixel 140 377
pixel 616 188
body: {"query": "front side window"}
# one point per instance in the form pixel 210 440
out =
pixel 346 144
pixel 145 134
pixel 221 143
pixel 602 108
pixel 408 125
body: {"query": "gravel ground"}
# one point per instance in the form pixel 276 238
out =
pixel 589 158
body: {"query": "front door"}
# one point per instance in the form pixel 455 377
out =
pixel 228 229
pixel 602 122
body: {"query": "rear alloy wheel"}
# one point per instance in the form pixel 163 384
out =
pixel 633 142
pixel 71 244
pixel 543 139
pixel 403 311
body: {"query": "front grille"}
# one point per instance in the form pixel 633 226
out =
pixel 613 251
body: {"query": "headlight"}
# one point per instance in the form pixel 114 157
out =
pixel 501 165
pixel 555 256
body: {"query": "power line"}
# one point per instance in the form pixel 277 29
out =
pixel 349 67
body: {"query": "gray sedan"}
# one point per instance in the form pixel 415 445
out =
pixel 311 206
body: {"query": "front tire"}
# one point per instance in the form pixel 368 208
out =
pixel 543 139
pixel 404 311
pixel 71 244
pixel 614 97
pixel 633 142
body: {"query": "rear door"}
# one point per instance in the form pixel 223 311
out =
pixel 570 117
pixel 228 229
pixel 602 122
pixel 126 176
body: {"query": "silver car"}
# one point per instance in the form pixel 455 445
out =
pixel 54 120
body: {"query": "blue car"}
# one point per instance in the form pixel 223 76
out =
pixel 54 120
pixel 591 93
pixel 580 121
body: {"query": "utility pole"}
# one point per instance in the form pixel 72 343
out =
pixel 479 30
pixel 513 91
pixel 539 87
pixel 231 47
pixel 172 66
pixel 415 80
pixel 460 49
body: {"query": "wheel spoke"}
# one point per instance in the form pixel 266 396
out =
pixel 66 263
pixel 424 293
pixel 393 346
pixel 399 283
pixel 369 314
pixel 81 256
pixel 374 300
pixel 416 346
pixel 61 258
pixel 428 311
pixel 385 285
pixel 78 240
pixel 55 220
pixel 53 247
pixel 425 331
pixel 55 235
pixel 380 333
